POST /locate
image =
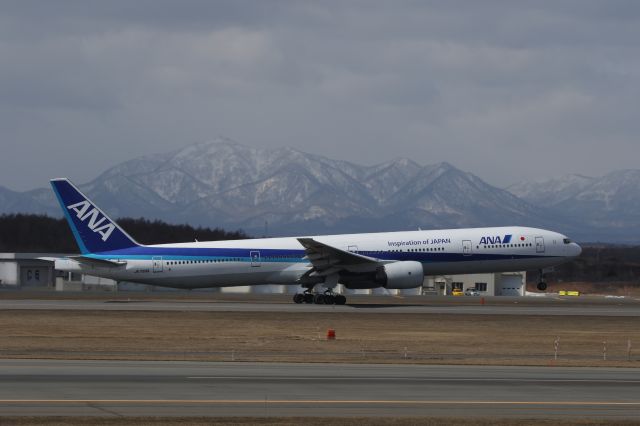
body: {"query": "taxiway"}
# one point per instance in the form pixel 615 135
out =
pixel 125 388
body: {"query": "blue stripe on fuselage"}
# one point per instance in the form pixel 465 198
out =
pixel 290 256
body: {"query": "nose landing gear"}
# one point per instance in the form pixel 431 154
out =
pixel 542 284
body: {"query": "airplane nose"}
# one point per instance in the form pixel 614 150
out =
pixel 577 250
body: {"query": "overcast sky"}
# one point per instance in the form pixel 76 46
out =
pixel 508 90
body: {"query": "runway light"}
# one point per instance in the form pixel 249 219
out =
pixel 331 334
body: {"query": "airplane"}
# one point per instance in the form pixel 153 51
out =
pixel 391 260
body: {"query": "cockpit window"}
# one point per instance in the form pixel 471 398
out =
pixel 567 241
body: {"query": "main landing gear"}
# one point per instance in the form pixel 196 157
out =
pixel 326 298
pixel 542 285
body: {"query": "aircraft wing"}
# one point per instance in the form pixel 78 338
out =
pixel 327 259
pixel 100 263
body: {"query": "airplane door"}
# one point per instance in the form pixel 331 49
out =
pixel 157 263
pixel 466 247
pixel 352 249
pixel 539 245
pixel 255 257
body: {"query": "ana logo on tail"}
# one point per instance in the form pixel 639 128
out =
pixel 84 210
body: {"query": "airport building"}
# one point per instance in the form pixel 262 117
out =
pixel 495 284
pixel 26 270
pixel 19 270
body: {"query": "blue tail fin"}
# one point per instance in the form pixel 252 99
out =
pixel 94 231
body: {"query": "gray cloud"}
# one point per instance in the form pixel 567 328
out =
pixel 507 90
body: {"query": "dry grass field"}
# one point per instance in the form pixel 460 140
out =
pixel 301 337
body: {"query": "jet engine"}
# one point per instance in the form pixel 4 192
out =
pixel 400 275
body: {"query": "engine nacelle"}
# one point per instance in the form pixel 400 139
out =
pixel 400 275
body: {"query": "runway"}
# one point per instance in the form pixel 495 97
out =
pixel 125 388
pixel 514 306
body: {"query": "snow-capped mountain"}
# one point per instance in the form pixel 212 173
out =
pixel 607 207
pixel 223 183
pixel 551 191
pixel 19 202
pixel 610 201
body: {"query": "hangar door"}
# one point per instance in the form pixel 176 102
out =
pixel 510 285
pixel 34 276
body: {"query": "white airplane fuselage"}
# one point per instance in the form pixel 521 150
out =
pixel 285 261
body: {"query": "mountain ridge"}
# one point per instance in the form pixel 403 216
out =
pixel 224 183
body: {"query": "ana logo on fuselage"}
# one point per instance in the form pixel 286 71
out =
pixel 84 210
pixel 496 240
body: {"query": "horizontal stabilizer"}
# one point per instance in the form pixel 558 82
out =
pixel 100 263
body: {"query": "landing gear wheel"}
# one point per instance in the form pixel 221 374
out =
pixel 308 298
pixel 318 299
pixel 542 285
pixel 329 299
pixel 340 299
pixel 298 298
